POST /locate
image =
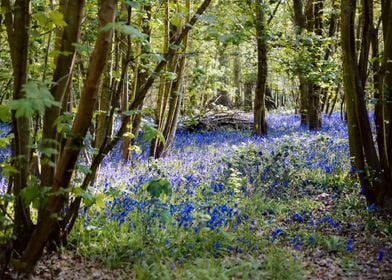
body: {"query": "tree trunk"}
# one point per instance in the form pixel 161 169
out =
pixel 175 94
pixel 373 176
pixel 17 21
pixel 75 141
pixel 260 124
pixel 248 94
pixel 125 47
pixel 314 95
pixel 237 78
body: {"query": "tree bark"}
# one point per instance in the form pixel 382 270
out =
pixel 75 141
pixel 314 113
pixel 61 83
pixel 17 20
pixel 260 124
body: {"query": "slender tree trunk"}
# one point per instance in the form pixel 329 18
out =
pixel 237 78
pixel 17 21
pixel 141 73
pixel 105 100
pixel 260 124
pixel 175 96
pixel 387 79
pixel 374 178
pixel 248 93
pixel 300 22
pixel 379 108
pixel 69 221
pixel 60 88
pixel 314 95
pixel 125 47
pixel 75 142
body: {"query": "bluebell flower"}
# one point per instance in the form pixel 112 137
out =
pixel 297 242
pixel 216 245
pixel 372 207
pixel 380 256
pixel 297 217
pixel 276 233
pixel 349 245
pixel 311 239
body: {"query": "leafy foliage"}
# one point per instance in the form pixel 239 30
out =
pixel 37 99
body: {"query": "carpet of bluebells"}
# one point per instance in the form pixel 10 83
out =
pixel 277 207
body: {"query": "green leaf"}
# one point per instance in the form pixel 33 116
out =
pixel 176 20
pixel 157 187
pixel 37 99
pixel 48 151
pixel 99 201
pixel 4 142
pixel 57 18
pixel 131 112
pixel 150 132
pixel 5 113
pixel 130 30
pixel 207 19
pixel 41 18
pixel 8 169
pixel 84 169
pixel 82 49
pixel 35 194
pixel 23 108
pixel 133 4
pixel 166 217
pixel 88 198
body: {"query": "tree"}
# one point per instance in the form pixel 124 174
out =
pixel 260 124
pixel 371 162
pixel 17 21
pixel 308 21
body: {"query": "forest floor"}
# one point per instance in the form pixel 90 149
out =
pixel 240 207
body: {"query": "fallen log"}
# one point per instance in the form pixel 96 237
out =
pixel 219 121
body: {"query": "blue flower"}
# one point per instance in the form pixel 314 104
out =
pixel 311 239
pixel 349 245
pixel 297 218
pixel 276 233
pixel 216 245
pixel 381 255
pixel 297 242
pixel 372 207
